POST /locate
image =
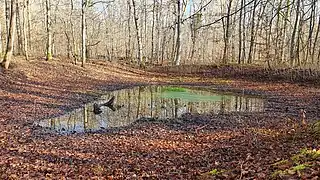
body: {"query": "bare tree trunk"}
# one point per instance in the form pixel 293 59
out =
pixel 25 38
pixel 293 36
pixel 49 31
pixel 0 42
pixel 299 38
pixel 178 38
pixel 252 38
pixel 74 48
pixel 29 24
pixel 7 13
pixel 9 50
pixel 315 41
pixel 243 33
pixel 279 41
pixel 138 33
pixel 128 50
pixel 145 39
pixel 19 33
pixel 159 27
pixel 240 32
pixel 152 30
pixel 311 29
pixel 83 30
pixel 227 34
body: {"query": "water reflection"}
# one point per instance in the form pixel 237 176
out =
pixel 151 102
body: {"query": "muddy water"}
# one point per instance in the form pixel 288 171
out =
pixel 150 102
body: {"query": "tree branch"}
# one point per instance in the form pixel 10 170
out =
pixel 94 44
pixel 216 21
pixel 102 2
pixel 199 10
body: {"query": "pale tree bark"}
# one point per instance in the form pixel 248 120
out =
pixel 69 32
pixel 19 30
pixel 159 27
pixel 243 32
pixel 193 34
pixel 311 30
pixel 74 48
pixel 279 40
pixel 128 47
pixel 240 31
pixel 7 14
pixel 315 42
pixel 1 41
pixel 28 24
pixel 299 36
pixel 145 38
pixel 227 34
pixel 83 31
pixel 252 37
pixel 49 31
pixel 293 36
pixel 284 31
pixel 138 33
pixel 152 30
pixel 9 50
pixel 178 37
pixel 25 35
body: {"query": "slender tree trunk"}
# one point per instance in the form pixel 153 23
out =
pixel 227 34
pixel 25 35
pixel 1 50
pixel 145 39
pixel 298 41
pixel 159 27
pixel 7 14
pixel 138 33
pixel 178 37
pixel 9 50
pixel 279 41
pixel 243 33
pixel 19 32
pixel 83 31
pixel 311 29
pixel 74 48
pixel 152 30
pixel 128 50
pixel 293 36
pixel 315 41
pixel 240 32
pixel 28 24
pixel 252 38
pixel 49 31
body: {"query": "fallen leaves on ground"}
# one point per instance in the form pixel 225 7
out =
pixel 196 146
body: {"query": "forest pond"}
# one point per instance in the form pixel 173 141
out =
pixel 150 102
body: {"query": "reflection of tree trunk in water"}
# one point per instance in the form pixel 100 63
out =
pixel 176 103
pixel 236 104
pixel 129 106
pixel 222 105
pixel 247 104
pixel 164 107
pixel 151 102
pixel 172 107
pixel 190 108
pixel 157 104
pixel 85 117
pixel 139 103
pixel 74 124
pixel 240 103
pixel 52 124
pixel 69 122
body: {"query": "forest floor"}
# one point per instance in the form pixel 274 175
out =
pixel 271 144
